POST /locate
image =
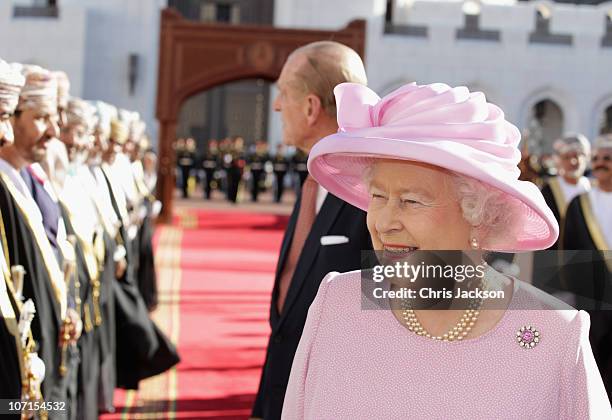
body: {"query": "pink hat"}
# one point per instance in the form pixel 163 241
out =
pixel 452 128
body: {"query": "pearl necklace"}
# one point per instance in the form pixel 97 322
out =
pixel 458 332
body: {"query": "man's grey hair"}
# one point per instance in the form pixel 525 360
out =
pixel 327 64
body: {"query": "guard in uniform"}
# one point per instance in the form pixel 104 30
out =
pixel 280 166
pixel 210 164
pixel 257 161
pixel 179 150
pixel 300 160
pixel 235 160
pixel 186 162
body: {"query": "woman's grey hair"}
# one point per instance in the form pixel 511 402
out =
pixel 492 213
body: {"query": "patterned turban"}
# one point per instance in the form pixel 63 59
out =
pixel 11 82
pixel 604 142
pixel 572 142
pixel 39 91
pixel 80 112
pixel 119 131
pixel 63 88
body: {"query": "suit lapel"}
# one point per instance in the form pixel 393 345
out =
pixel 323 222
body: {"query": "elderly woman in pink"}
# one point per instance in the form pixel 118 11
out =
pixel 435 167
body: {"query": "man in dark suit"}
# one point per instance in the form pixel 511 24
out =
pixel 588 274
pixel 324 233
pixel 572 153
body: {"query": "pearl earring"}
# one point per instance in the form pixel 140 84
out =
pixel 474 243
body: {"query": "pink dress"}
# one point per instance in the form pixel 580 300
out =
pixel 362 364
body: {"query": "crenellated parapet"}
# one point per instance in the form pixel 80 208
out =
pixel 537 22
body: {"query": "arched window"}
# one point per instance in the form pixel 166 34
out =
pixel 234 109
pixel 605 125
pixel 545 126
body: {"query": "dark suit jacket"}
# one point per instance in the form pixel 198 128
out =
pixel 588 276
pixel 335 217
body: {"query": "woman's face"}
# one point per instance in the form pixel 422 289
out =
pixel 412 205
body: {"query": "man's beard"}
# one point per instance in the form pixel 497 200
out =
pixel 601 173
pixel 38 153
pixel 575 174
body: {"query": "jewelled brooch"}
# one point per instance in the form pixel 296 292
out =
pixel 528 337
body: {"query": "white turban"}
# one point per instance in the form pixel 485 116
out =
pixel 80 112
pixel 63 88
pixel 119 131
pixel 105 113
pixel 135 127
pixel 572 142
pixel 39 91
pixel 604 142
pixel 11 82
pixel 137 130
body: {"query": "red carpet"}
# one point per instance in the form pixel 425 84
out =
pixel 215 277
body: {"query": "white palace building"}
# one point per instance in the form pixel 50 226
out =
pixel 548 65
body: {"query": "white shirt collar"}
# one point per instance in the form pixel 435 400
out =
pixel 572 190
pixel 602 203
pixel 321 195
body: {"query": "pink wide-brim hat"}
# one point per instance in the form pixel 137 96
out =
pixel 451 128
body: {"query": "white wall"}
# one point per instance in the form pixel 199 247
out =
pixel 512 72
pixel 56 44
pixel 116 29
pixel 91 41
pixel 275 125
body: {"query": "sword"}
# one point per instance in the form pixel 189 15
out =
pixel 67 324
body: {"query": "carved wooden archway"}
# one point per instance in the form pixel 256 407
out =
pixel 198 56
